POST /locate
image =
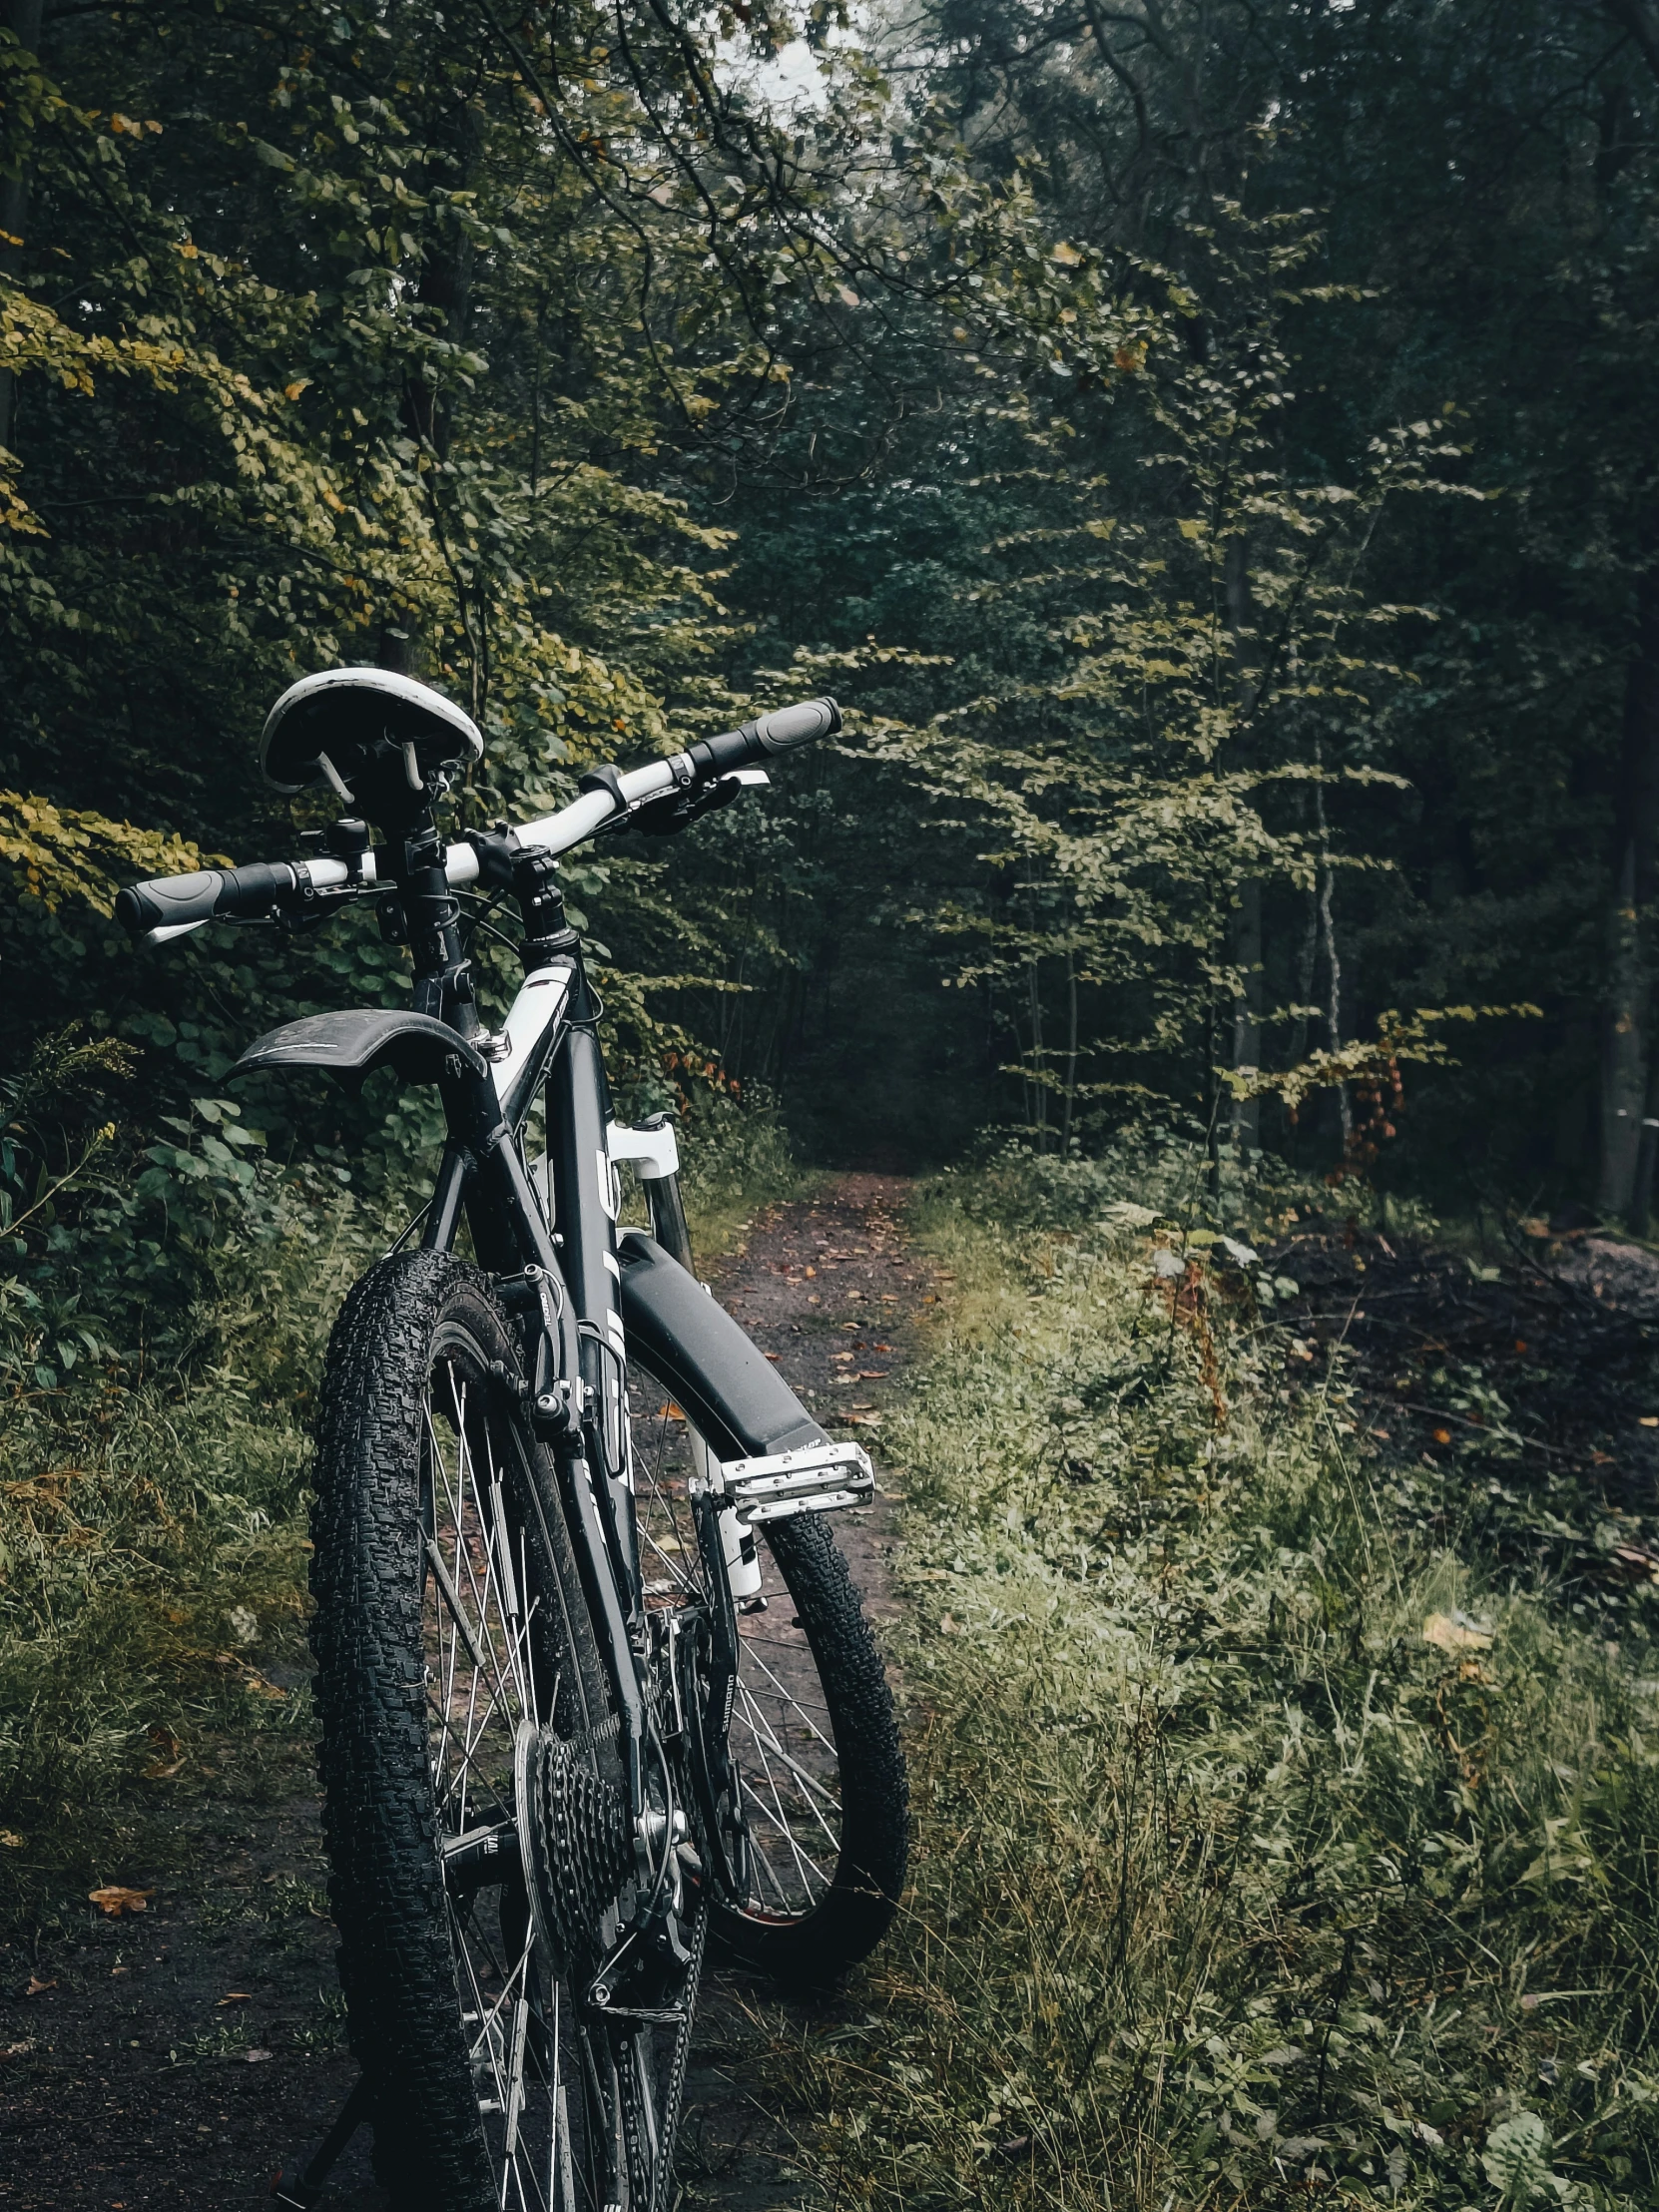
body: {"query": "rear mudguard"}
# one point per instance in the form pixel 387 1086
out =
pixel 730 1393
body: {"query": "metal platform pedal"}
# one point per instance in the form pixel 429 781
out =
pixel 814 1479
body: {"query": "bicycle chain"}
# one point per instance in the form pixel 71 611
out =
pixel 654 2186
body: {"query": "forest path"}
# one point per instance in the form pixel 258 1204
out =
pixel 177 2057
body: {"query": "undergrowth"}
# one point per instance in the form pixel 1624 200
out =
pixel 1272 1843
pixel 153 1491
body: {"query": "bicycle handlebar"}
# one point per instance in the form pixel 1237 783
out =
pixel 171 905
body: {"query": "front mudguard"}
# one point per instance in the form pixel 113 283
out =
pixel 730 1393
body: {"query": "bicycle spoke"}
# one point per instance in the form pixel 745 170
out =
pixel 793 1700
pixel 761 1734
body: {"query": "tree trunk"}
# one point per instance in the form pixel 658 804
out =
pixel 1247 916
pixel 1626 1014
pixel 1071 1052
pixel 1333 961
pixel 22 19
pixel 1247 1014
pixel 1039 1065
pixel 445 283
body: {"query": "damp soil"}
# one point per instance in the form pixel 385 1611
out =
pixel 179 2054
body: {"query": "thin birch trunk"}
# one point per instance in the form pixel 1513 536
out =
pixel 1040 1115
pixel 1333 961
pixel 1246 933
pixel 1071 1052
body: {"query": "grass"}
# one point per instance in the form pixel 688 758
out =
pixel 153 1565
pixel 1232 1884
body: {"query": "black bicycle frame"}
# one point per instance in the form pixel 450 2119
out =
pixel 557 1266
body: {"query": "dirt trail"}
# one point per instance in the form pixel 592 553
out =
pixel 177 2056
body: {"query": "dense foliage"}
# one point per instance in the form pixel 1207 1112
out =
pixel 1205 446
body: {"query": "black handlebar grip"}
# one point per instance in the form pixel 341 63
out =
pixel 790 726
pixel 170 902
pixel 209 894
pixel 774 733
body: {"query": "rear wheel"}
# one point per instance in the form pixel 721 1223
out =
pixel 475 1818
pixel 806 1815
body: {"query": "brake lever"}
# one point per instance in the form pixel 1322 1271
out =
pixel 677 809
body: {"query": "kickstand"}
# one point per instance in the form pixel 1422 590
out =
pixel 298 2184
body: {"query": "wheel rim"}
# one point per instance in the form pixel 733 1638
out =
pixel 496 1676
pixel 780 1745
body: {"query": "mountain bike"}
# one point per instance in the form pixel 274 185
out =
pixel 594 1686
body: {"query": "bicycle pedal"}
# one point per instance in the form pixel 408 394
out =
pixel 815 1478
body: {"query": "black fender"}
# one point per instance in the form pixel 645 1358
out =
pixel 728 1389
pixel 354 1044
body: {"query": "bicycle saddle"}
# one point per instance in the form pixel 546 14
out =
pixel 353 726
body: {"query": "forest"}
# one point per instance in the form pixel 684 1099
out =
pixel 1208 448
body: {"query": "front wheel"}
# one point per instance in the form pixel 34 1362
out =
pixel 812 1792
pixel 471 1756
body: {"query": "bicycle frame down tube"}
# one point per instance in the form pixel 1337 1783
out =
pixel 584 1190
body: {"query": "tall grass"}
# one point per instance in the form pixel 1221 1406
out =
pixel 153 1569
pixel 1230 1886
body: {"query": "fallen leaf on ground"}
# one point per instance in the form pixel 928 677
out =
pixel 36 1987
pixel 1648 1421
pixel 169 1755
pixel 1456 1632
pixel 872 1374
pixel 114 1899
pixel 11 1838
pixel 253 2056
pixel 236 1996
pixel 774 1354
pixel 1443 1435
